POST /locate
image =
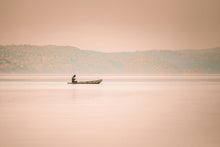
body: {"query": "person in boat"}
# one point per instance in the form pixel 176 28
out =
pixel 74 79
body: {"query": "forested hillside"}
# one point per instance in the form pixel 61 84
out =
pixel 66 59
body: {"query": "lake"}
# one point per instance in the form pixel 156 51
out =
pixel 122 111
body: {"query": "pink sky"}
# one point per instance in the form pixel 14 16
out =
pixel 112 25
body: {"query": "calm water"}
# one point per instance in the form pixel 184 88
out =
pixel 123 111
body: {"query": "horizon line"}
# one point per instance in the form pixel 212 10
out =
pixel 109 51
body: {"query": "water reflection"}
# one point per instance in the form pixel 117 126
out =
pixel 116 113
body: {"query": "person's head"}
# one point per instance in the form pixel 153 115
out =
pixel 74 75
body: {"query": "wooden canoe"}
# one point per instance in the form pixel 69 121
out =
pixel 87 82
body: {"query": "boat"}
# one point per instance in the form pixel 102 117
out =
pixel 87 82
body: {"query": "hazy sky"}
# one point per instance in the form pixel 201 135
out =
pixel 112 25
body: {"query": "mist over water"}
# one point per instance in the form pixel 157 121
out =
pixel 124 110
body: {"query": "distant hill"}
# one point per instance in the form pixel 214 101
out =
pixel 66 59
